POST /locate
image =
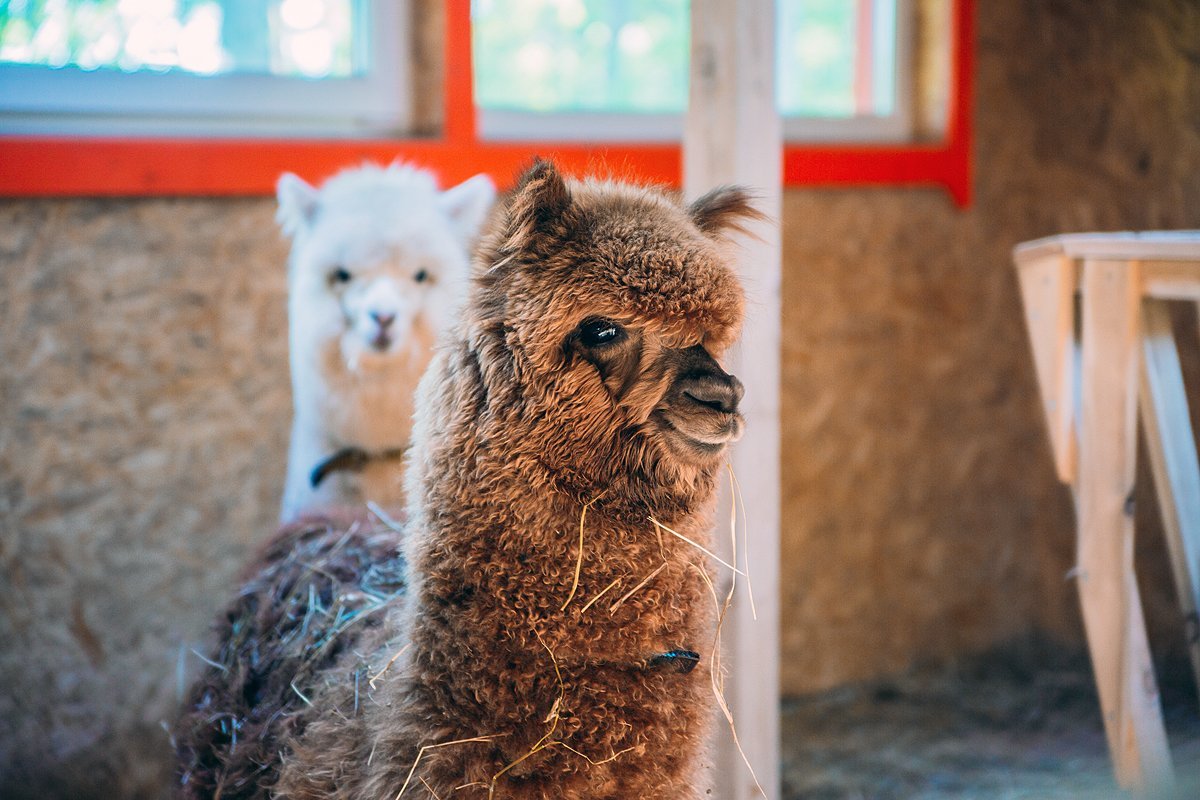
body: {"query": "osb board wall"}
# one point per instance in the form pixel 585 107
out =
pixel 145 404
pixel 144 395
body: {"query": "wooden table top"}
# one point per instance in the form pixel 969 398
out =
pixel 1129 245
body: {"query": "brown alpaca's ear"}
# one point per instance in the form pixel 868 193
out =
pixel 724 209
pixel 537 206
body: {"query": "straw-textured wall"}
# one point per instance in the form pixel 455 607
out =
pixel 145 404
pixel 143 386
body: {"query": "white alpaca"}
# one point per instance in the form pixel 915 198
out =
pixel 378 263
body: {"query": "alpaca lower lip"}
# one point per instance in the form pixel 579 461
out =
pixel 381 342
pixel 709 436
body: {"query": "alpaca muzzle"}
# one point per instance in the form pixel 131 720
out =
pixel 701 407
pixel 384 335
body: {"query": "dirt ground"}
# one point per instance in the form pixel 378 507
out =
pixel 993 729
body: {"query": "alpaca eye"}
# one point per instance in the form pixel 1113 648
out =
pixel 421 276
pixel 600 332
pixel 339 275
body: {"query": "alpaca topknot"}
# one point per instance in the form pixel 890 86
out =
pixel 623 249
pixel 370 189
pixel 365 185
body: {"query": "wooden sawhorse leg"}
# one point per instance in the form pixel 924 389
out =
pixel 1172 449
pixel 1112 609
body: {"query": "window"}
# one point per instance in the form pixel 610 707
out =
pixel 35 164
pixel 244 67
pixel 573 69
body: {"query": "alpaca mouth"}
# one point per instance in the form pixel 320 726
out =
pixel 381 341
pixel 705 433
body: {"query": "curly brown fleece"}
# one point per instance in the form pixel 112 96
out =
pixel 532 667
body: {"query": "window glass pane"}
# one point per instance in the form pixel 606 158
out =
pixel 884 56
pixel 836 58
pixel 581 55
pixel 303 38
pixel 815 41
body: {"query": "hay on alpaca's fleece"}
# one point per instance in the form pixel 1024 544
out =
pixel 323 583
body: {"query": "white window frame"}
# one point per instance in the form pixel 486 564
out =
pixel 69 101
pixel 583 126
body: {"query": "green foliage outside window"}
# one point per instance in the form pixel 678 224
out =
pixel 632 55
pixel 530 55
pixel 581 55
pixel 310 38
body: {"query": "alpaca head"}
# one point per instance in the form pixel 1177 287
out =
pixel 615 305
pixel 378 259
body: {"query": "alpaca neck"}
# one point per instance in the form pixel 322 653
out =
pixel 337 408
pixel 352 459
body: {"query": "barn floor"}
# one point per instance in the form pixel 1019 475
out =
pixel 989 730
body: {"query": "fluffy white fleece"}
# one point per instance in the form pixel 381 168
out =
pixel 378 266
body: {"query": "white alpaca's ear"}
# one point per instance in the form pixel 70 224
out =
pixel 467 205
pixel 297 203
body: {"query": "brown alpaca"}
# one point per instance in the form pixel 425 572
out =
pixel 578 400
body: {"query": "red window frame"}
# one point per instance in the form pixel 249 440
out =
pixel 43 166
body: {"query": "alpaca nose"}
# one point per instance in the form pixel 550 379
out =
pixel 383 318
pixel 704 382
pixel 719 392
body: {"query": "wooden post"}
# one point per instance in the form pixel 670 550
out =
pixel 1112 610
pixel 733 135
